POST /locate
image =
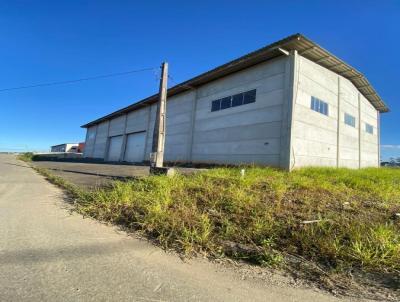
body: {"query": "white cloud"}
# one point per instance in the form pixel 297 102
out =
pixel 390 146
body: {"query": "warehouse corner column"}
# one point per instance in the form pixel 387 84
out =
pixel 291 81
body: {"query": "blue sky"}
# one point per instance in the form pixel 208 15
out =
pixel 45 41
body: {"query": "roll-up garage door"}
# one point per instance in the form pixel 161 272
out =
pixel 114 148
pixel 135 144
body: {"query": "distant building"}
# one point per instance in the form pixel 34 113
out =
pixel 290 104
pixel 81 147
pixel 68 147
pixel 390 164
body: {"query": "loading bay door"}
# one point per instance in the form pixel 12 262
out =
pixel 135 144
pixel 114 149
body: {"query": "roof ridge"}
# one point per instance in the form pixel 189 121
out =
pixel 297 41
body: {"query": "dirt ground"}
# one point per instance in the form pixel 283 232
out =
pixel 90 175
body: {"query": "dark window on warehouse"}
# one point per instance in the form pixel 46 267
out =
pixel 237 100
pixel 234 100
pixel 249 97
pixel 216 105
pixel 349 120
pixel 226 102
pixel 319 106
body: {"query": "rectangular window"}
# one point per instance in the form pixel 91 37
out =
pixel 319 106
pixel 349 120
pixel 234 100
pixel 249 97
pixel 216 105
pixel 237 100
pixel 369 128
pixel 226 103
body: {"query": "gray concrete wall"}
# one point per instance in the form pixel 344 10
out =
pixel 117 126
pixel 274 130
pixel 320 140
pixel 101 140
pixel 245 134
pixel 314 135
pixel 178 127
pixel 369 143
pixel 348 135
pixel 90 141
pixel 137 120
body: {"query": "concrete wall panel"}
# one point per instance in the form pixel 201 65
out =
pixel 239 147
pixel 319 75
pixel 236 133
pixel 308 161
pixel 179 124
pixel 251 130
pixel 314 148
pixel 264 160
pixel 117 126
pixel 241 78
pixel 311 126
pixel 137 120
pixel 314 119
pixel 309 88
pixel 271 114
pixel 315 134
pixel 101 140
pixel 90 140
pixel 307 131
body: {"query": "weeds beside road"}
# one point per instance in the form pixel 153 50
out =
pixel 27 156
pixel 341 220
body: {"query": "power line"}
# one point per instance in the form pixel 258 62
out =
pixel 79 80
pixel 180 85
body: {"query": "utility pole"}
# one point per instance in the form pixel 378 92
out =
pixel 157 155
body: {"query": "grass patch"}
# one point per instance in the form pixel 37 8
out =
pixel 27 156
pixel 339 219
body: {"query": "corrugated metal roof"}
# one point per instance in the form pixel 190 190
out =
pixel 303 45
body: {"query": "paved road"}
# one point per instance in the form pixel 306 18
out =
pixel 48 254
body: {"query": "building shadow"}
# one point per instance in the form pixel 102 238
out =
pixel 39 255
pixel 10 164
pixel 95 174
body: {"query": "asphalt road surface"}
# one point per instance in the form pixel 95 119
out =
pixel 50 254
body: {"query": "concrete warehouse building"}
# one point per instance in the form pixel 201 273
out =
pixel 290 104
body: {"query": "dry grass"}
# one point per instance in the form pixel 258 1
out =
pixel 262 217
pixel 26 156
pixel 338 227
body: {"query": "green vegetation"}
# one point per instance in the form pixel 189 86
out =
pixel 339 219
pixel 27 156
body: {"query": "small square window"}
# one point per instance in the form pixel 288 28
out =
pixel 349 120
pixel 237 100
pixel 216 105
pixel 226 103
pixel 249 97
pixel 369 128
